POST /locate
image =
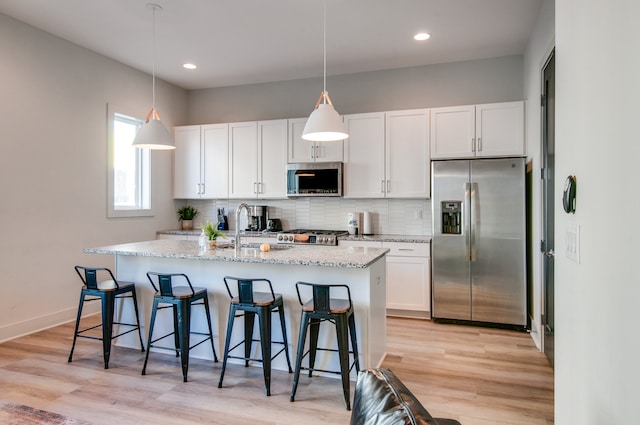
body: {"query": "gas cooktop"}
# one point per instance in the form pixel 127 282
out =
pixel 308 236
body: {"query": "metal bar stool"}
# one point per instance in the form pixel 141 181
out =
pixel 322 308
pixel 252 303
pixel 107 291
pixel 179 299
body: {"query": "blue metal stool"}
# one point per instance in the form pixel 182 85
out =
pixel 107 291
pixel 251 304
pixel 179 299
pixel 322 308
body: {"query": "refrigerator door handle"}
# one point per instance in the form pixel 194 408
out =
pixel 474 219
pixel 466 208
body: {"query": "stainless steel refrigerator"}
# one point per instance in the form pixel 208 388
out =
pixel 479 241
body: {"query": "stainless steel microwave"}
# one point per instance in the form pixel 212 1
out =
pixel 314 179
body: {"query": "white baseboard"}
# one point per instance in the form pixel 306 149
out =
pixel 45 321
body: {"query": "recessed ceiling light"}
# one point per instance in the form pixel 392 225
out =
pixel 421 36
pixel 189 66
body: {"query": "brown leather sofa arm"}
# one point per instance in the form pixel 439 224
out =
pixel 382 399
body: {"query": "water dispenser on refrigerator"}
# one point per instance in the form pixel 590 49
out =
pixel 451 217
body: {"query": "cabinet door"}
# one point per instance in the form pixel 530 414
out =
pixel 186 164
pixel 453 132
pixel 243 156
pixel 300 150
pixel 407 155
pixel 272 159
pixel 215 154
pixel 329 151
pixel 408 283
pixel 364 156
pixel 500 129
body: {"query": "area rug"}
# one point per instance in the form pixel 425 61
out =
pixel 19 414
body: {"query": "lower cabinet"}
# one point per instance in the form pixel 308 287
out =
pixel 408 276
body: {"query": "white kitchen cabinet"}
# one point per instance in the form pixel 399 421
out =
pixel 489 130
pixel 257 159
pixel 364 153
pixel 408 276
pixel 387 155
pixel 200 162
pixel 301 150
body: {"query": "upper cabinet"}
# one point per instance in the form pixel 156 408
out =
pixel 301 150
pixel 489 130
pixel 257 159
pixel 200 162
pixel 387 155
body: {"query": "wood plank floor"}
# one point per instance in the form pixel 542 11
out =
pixel 476 375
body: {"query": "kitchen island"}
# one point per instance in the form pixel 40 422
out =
pixel 362 269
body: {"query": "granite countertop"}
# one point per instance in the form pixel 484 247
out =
pixel 325 256
pixel 371 238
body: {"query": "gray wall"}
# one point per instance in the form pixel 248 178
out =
pixel 53 169
pixel 460 83
pixel 597 110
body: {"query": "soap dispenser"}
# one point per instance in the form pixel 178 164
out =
pixel 202 241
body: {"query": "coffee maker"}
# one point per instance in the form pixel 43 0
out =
pixel 258 217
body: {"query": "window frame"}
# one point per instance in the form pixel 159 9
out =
pixel 112 211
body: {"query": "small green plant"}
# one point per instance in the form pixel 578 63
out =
pixel 187 213
pixel 212 232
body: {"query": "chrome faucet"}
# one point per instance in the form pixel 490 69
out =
pixel 237 235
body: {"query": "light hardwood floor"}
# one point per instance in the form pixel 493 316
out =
pixel 476 375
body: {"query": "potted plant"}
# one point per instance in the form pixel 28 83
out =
pixel 186 214
pixel 212 232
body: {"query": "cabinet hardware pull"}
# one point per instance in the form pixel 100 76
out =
pixel 388 189
pixel 479 144
pixel 381 186
pixel 202 192
pixel 255 188
pixel 473 144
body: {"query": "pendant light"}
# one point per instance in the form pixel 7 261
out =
pixel 152 134
pixel 324 123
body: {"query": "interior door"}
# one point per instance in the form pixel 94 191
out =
pixel 548 177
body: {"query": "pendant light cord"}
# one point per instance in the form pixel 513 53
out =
pixel 324 47
pixel 153 62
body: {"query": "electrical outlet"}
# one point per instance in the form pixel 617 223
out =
pixel 572 248
pixel 417 214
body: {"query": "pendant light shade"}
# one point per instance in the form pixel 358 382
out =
pixel 324 123
pixel 153 134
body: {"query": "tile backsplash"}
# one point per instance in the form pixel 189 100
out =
pixel 389 216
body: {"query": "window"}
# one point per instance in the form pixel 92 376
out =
pixel 129 169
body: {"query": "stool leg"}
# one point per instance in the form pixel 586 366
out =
pixel 154 310
pixel 354 341
pixel 232 316
pixel 264 320
pixel 135 307
pixel 302 336
pixel 313 343
pixel 108 303
pixel 284 336
pixel 75 332
pixel 206 309
pixel 249 318
pixel 184 326
pixel 176 329
pixel 343 352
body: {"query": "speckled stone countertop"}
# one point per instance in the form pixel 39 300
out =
pixel 325 256
pixel 371 238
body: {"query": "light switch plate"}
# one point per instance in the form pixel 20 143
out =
pixel 572 241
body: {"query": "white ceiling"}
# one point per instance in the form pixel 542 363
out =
pixel 237 42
